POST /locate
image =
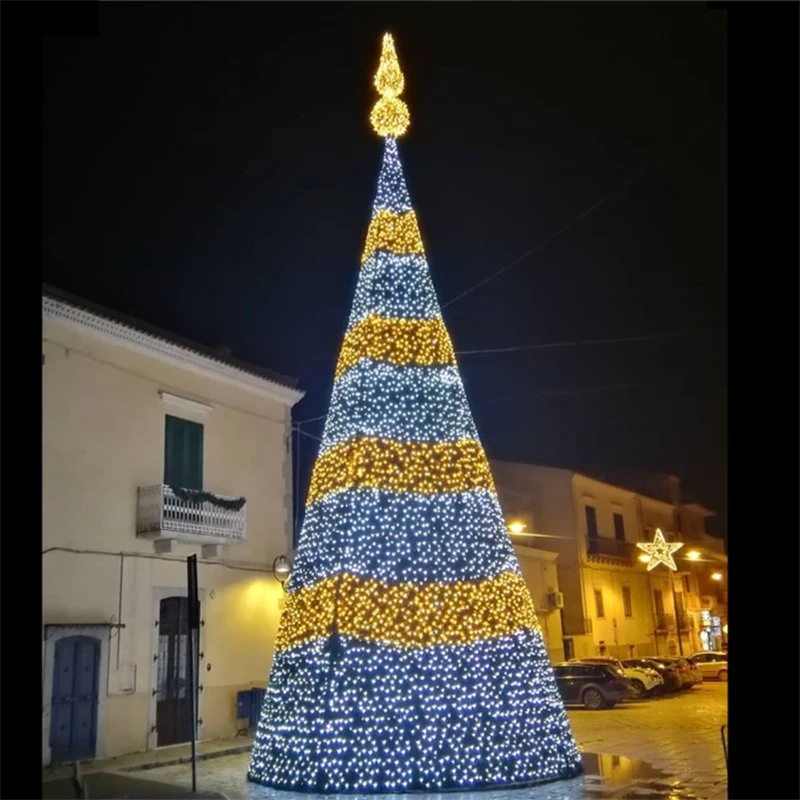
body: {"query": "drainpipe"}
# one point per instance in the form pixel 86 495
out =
pixel 119 608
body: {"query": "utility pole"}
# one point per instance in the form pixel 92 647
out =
pixel 675 606
pixel 194 635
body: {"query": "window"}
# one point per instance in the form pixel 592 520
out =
pixel 619 528
pixel 598 603
pixel 687 586
pixel 183 453
pixel 658 599
pixel 591 522
pixel 626 601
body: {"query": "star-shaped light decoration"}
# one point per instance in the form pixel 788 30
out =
pixel 660 551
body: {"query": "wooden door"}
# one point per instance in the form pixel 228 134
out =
pixel 173 701
pixel 73 719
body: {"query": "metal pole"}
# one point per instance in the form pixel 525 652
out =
pixel 194 625
pixel 675 606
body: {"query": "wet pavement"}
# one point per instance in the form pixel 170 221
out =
pixel 666 748
pixel 606 777
pixel 661 749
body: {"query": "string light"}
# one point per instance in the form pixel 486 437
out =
pixel 402 403
pixel 476 721
pixel 417 467
pixel 397 341
pixel 396 538
pixel 405 614
pixel 394 233
pixel 394 287
pixel 389 116
pixel 659 551
pixel 409 656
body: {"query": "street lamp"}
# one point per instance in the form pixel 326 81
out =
pixel 693 555
pixel 660 551
pixel 281 570
pixel 517 526
pixel 716 576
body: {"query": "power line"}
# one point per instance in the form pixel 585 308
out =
pixel 313 419
pixel 309 435
pixel 563 229
pixel 583 390
pixel 175 559
pixel 550 345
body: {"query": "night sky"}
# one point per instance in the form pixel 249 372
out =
pixel 210 169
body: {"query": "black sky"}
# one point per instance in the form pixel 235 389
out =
pixel 209 168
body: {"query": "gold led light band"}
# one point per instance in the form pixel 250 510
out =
pixel 406 615
pixel 394 233
pixel 422 342
pixel 401 467
pixel 389 115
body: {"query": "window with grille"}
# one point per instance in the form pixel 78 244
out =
pixel 626 601
pixel 598 603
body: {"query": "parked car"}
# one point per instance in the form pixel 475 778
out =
pixel 694 671
pixel 712 664
pixel 687 674
pixel 644 681
pixel 669 673
pixel 594 685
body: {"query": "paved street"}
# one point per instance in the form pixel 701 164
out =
pixel 667 748
pixel 678 733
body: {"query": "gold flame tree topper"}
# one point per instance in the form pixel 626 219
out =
pixel 389 116
pixel 660 551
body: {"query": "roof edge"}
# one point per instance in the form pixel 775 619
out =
pixel 167 344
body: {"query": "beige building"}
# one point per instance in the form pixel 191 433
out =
pixel 541 577
pixel 136 423
pixel 611 604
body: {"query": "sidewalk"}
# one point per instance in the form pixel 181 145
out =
pixel 151 759
pixel 109 785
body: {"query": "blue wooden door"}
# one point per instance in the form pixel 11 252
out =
pixel 73 719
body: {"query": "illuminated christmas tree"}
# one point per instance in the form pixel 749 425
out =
pixel 409 655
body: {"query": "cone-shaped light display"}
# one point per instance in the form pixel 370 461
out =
pixel 408 655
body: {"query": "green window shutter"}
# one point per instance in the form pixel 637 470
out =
pixel 194 456
pixel 183 453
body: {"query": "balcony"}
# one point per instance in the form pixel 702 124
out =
pixel 576 626
pixel 685 621
pixel 665 622
pixel 602 550
pixel 165 518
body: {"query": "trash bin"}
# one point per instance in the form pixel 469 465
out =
pixel 256 702
pixel 244 703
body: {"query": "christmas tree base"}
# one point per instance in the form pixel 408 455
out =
pixel 568 774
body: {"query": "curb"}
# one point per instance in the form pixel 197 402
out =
pixel 170 762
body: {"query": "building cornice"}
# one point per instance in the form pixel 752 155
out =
pixel 117 333
pixel 535 553
pixel 185 403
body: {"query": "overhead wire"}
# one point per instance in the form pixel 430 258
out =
pixel 541 245
pixel 579 343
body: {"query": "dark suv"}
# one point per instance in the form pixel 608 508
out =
pixel 594 685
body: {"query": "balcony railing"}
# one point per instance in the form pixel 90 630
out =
pixel 576 626
pixel 602 549
pixel 163 515
pixel 665 622
pixel 685 621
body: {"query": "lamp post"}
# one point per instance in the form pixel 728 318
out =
pixel 281 570
pixel 660 552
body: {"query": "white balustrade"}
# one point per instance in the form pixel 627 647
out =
pixel 162 514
